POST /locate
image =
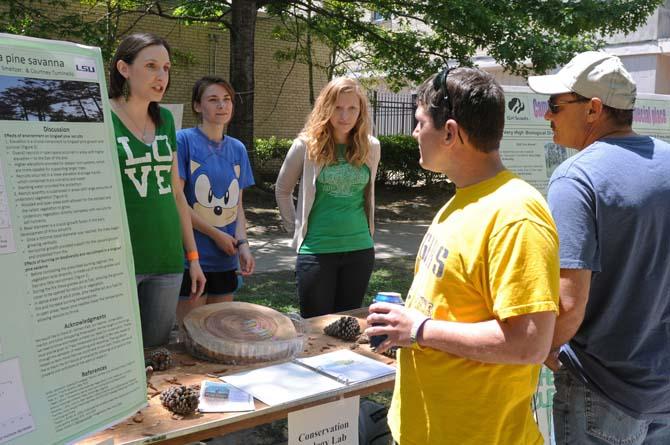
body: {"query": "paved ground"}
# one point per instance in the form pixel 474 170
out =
pixel 395 239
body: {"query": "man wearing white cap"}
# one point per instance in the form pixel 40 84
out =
pixel 611 204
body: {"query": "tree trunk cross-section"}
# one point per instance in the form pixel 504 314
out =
pixel 239 333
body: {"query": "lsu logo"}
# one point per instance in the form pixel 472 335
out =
pixel 215 202
pixel 85 68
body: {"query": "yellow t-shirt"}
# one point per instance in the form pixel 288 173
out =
pixel 490 253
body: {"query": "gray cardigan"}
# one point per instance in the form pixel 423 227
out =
pixel 297 166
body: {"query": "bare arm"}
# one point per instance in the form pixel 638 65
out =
pixel 223 241
pixel 247 262
pixel 521 339
pixel 574 291
pixel 197 277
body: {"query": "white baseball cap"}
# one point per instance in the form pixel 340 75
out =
pixel 591 74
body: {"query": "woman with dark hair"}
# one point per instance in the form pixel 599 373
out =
pixel 335 159
pixel 213 170
pixel 146 141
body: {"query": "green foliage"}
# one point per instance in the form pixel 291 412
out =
pixel 399 164
pixel 545 33
pixel 106 16
pixel 271 148
pixel 300 26
pixel 92 22
pixel 203 10
pixel 182 59
pixel 35 18
pixel 522 35
pixel 269 153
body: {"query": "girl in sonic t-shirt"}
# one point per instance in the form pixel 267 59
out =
pixel 158 217
pixel 213 170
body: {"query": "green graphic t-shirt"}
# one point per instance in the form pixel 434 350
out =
pixel 337 221
pixel 153 221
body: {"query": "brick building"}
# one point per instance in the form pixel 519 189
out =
pixel 281 99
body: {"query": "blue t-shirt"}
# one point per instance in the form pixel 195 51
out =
pixel 611 203
pixel 214 174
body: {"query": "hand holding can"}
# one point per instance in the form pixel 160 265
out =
pixel 384 297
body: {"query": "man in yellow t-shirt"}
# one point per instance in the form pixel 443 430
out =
pixel 480 314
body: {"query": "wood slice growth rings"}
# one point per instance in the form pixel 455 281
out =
pixel 238 333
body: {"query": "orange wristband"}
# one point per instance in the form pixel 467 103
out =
pixel 192 255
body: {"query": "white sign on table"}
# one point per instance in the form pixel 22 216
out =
pixel 334 423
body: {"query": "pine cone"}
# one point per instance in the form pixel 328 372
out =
pixel 159 359
pixel 180 399
pixel 346 328
pixel 363 339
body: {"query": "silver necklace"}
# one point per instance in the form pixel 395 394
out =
pixel 143 138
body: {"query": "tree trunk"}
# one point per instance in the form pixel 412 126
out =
pixel 243 28
pixel 310 62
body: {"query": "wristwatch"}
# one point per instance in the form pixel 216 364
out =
pixel 241 242
pixel 416 328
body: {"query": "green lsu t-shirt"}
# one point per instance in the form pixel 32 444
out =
pixel 337 221
pixel 153 220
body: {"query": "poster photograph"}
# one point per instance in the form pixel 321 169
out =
pixel 30 99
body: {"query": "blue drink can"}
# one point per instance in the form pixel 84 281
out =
pixel 384 297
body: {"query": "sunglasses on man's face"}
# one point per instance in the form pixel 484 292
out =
pixel 555 107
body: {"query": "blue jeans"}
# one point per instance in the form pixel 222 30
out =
pixel 158 295
pixel 332 282
pixel 582 416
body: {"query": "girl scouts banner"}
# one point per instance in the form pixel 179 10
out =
pixel 527 148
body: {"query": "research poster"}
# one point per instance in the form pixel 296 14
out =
pixel 70 339
pixel 528 149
